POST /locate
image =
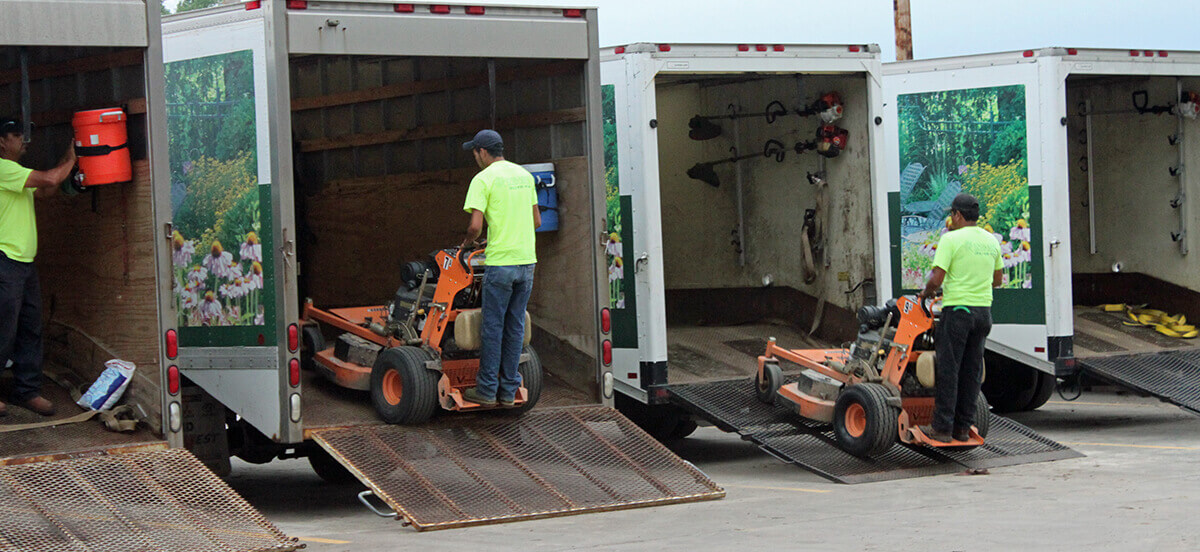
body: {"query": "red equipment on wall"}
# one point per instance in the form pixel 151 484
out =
pixel 101 142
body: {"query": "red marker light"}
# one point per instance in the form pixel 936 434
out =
pixel 293 338
pixel 474 10
pixel 1162 53
pixel 1149 53
pixel 743 47
pixel 173 380
pixel 172 344
pixel 1072 51
pixel 294 372
pixel 854 48
pixel 664 47
pixel 607 352
pixel 253 5
pixel 777 47
pixel 1028 53
pixel 1134 53
pixel 631 375
pixel 1039 349
pixel 605 321
pixel 619 50
pixel 297 4
pixel 760 47
pixel 405 8
pixel 439 8
pixel 572 13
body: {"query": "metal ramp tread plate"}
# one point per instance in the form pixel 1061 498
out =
pixel 1173 376
pixel 164 500
pixel 732 406
pixel 490 469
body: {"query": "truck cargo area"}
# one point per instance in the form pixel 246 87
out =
pixel 1130 208
pixel 732 255
pixel 95 254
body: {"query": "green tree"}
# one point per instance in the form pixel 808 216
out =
pixel 188 5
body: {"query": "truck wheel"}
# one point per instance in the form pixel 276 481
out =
pixel 770 383
pixel 661 421
pixel 1047 383
pixel 683 429
pixel 1010 385
pixel 403 390
pixel 531 378
pixel 312 341
pixel 863 422
pixel 327 468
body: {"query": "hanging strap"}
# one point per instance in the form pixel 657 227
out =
pixel 97 151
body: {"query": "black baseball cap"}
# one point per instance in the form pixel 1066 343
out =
pixel 965 203
pixel 485 139
pixel 11 125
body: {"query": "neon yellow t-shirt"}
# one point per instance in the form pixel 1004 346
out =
pixel 970 256
pixel 18 225
pixel 505 193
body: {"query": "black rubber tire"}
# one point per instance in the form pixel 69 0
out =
pixel 983 415
pixel 660 421
pixel 532 378
pixel 418 400
pixel 881 428
pixel 1047 383
pixel 311 341
pixel 766 388
pixel 1010 385
pixel 683 429
pixel 329 469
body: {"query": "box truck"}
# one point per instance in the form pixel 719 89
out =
pixel 1082 161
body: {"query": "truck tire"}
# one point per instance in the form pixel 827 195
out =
pixel 327 468
pixel 403 390
pixel 1010 386
pixel 660 421
pixel 532 378
pixel 766 388
pixel 312 341
pixel 683 429
pixel 863 422
pixel 1047 383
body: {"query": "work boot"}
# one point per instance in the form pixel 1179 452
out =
pixel 508 403
pixel 40 405
pixel 939 436
pixel 472 395
pixel 3 409
pixel 962 434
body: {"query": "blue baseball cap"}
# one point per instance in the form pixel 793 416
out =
pixel 485 139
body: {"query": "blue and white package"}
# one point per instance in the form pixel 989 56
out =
pixel 108 388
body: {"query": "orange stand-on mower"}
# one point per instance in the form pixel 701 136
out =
pixel 878 391
pixel 420 352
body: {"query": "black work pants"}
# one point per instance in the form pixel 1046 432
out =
pixel 21 327
pixel 959 337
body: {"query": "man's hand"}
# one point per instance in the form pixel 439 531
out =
pixel 69 157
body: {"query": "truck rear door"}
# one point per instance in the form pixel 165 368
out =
pixel 232 290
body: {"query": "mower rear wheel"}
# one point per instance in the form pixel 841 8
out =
pixel 766 387
pixel 531 379
pixel 983 415
pixel 403 390
pixel 863 422
pixel 313 342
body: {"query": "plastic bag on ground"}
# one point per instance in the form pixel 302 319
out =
pixel 108 388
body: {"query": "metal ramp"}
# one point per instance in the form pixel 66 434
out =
pixel 731 406
pixel 1173 376
pixel 474 470
pixel 161 500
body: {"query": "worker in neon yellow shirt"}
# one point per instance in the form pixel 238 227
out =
pixel 20 294
pixel 502 194
pixel 968 264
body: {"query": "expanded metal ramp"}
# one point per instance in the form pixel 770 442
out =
pixel 1173 376
pixel 164 500
pixel 490 469
pixel 731 406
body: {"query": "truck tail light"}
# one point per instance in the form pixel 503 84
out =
pixel 572 13
pixel 172 340
pixel 405 8
pixel 293 338
pixel 294 372
pixel 173 380
pixel 475 10
pixel 605 321
pixel 607 350
pixel 297 4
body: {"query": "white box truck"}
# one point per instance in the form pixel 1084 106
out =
pixel 67 482
pixel 1083 161
pixel 739 207
pixel 315 148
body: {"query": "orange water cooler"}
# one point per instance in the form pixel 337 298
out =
pixel 101 142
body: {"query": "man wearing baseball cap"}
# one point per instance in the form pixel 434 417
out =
pixel 967 265
pixel 20 294
pixel 503 194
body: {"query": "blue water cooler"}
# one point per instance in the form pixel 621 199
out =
pixel 547 194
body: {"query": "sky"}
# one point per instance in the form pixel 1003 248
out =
pixel 940 27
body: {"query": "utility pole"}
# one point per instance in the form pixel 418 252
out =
pixel 904 47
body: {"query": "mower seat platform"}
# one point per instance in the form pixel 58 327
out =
pixel 918 436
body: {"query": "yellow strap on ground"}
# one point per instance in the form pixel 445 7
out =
pixel 1171 326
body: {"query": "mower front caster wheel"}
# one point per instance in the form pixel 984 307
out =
pixel 403 390
pixel 770 382
pixel 863 421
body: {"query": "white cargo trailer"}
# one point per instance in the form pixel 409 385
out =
pixel 709 256
pixel 1083 160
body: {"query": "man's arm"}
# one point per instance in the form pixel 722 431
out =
pixel 934 283
pixel 475 228
pixel 50 179
pixel 537 217
pixel 997 278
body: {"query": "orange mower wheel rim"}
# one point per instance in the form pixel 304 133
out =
pixel 855 420
pixel 393 388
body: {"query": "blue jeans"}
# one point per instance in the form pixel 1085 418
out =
pixel 21 327
pixel 506 292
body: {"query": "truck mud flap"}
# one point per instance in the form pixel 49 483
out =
pixel 475 470
pixel 731 406
pixel 161 500
pixel 1173 376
